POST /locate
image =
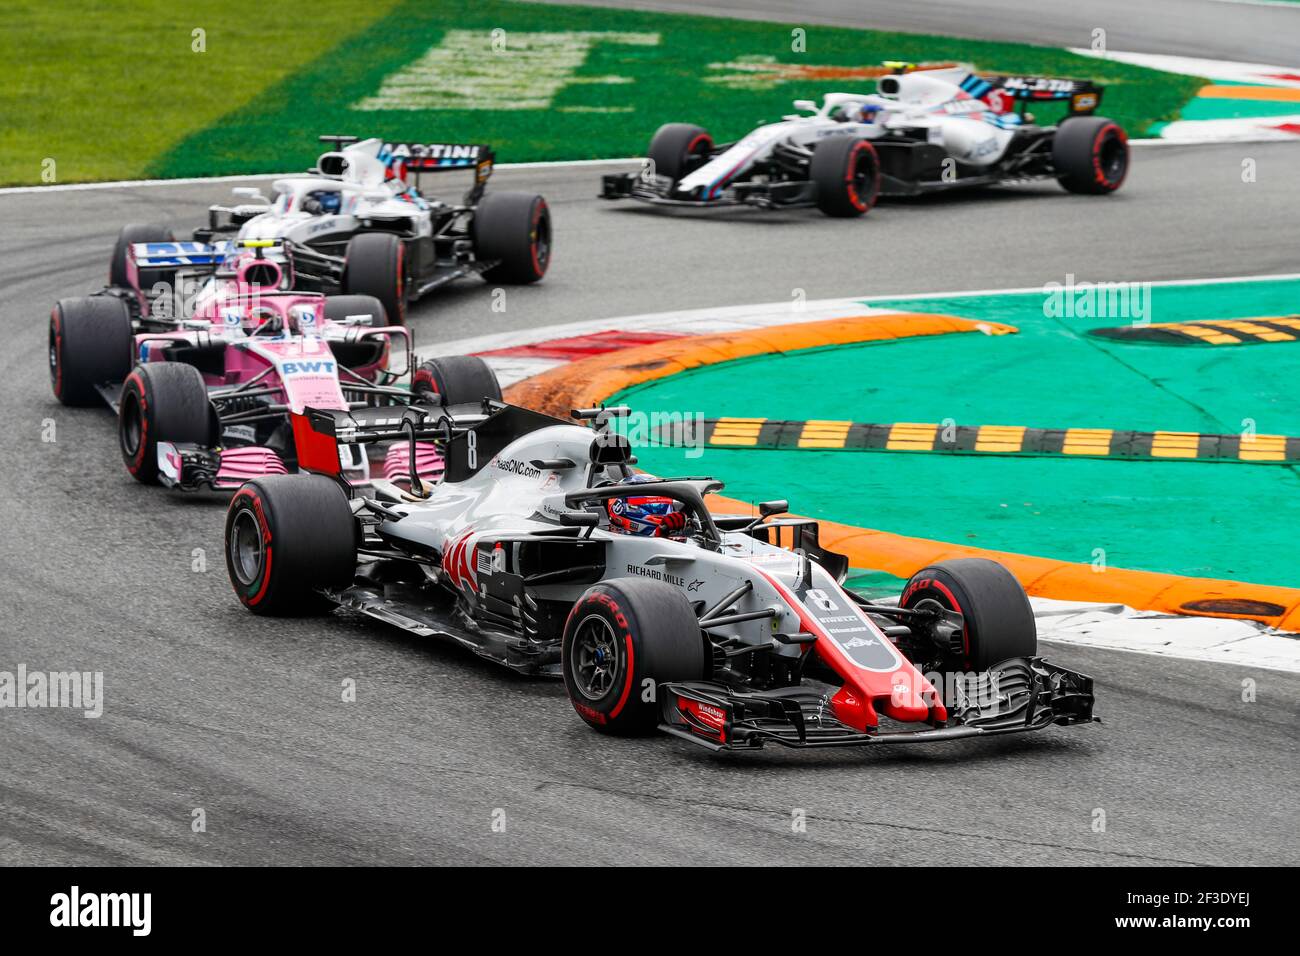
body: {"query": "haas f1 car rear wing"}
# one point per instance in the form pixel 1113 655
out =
pixel 468 435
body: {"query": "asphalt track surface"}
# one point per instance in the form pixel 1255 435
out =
pixel 210 707
pixel 1216 29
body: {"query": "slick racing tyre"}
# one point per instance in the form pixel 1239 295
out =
pixel 998 619
pixel 129 236
pixel 161 402
pixel 846 175
pixel 90 344
pixel 374 265
pixel 1090 154
pixel 622 641
pixel 456 380
pixel 341 308
pixel 513 230
pixel 286 536
pixel 678 149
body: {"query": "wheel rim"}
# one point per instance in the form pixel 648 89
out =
pixel 401 284
pixel 697 154
pixel 956 649
pixel 594 662
pixel 861 177
pixel 131 429
pixel 247 549
pixel 1113 158
pixel 542 244
pixel 54 356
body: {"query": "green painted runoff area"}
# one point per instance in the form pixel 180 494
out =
pixel 1221 520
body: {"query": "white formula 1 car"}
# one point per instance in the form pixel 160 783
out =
pixel 702 625
pixel 922 131
pixel 358 224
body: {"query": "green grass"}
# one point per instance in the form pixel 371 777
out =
pixel 104 88
pixel 118 93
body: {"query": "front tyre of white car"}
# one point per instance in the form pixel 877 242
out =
pixel 131 235
pixel 998 621
pixel 678 149
pixel 845 173
pixel 623 640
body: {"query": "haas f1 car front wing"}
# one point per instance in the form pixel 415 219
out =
pixel 1023 693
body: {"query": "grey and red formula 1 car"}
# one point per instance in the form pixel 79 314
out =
pixel 709 629
pixel 923 131
pixel 358 223
pixel 208 403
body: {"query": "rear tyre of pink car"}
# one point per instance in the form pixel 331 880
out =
pixel 287 536
pixel 131 234
pixel 456 380
pixel 90 345
pixel 375 265
pixel 161 402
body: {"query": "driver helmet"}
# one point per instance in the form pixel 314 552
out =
pixel 257 316
pixel 647 515
pixel 325 202
pixel 856 112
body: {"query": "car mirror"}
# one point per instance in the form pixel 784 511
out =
pixel 611 449
pixel 769 508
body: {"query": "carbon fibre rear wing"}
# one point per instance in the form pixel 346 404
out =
pixel 419 158
pixel 1082 96
pixel 468 435
pixel 441 157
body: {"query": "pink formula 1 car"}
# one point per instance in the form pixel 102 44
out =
pixel 226 358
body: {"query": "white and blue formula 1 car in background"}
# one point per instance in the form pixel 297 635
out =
pixel 358 224
pixel 923 130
